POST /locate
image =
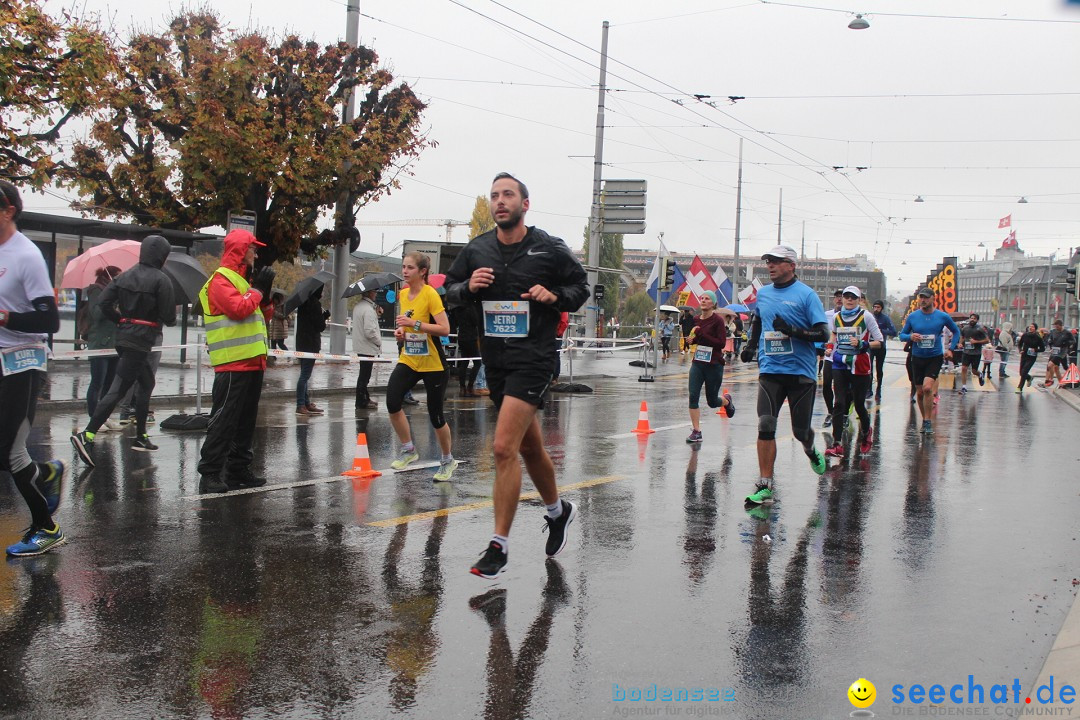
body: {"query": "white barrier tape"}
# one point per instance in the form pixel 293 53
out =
pixel 638 345
pixel 327 356
pixel 107 353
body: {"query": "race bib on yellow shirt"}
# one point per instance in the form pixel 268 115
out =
pixel 416 344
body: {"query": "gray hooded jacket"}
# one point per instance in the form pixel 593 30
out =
pixel 140 300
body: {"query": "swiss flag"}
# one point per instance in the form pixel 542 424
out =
pixel 1005 221
pixel 698 280
pixel 1010 241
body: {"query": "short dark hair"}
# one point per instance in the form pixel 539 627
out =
pixel 879 302
pixel 973 315
pixel 838 293
pixel 521 186
pixel 1058 321
pixel 11 198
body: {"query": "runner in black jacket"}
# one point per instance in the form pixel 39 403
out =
pixel 522 278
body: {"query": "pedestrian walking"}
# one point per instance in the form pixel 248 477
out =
pixel 278 327
pixel 1006 341
pixel 925 328
pixel 855 334
pixel 707 368
pixel 367 343
pixel 421 321
pixel 522 278
pixel 888 330
pixel 989 354
pixel 1029 346
pixel 789 320
pixel 236 313
pixel 28 315
pixel 310 322
pixel 686 324
pixel 667 329
pixel 141 301
pixel 99 332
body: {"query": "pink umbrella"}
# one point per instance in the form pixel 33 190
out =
pixel 82 271
pixel 436 281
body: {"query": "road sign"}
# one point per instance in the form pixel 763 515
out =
pixel 625 227
pixel 623 200
pixel 622 213
pixel 625 186
pixel 243 220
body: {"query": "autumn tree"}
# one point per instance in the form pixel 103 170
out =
pixel 638 309
pixel 481 220
pixel 49 73
pixel 200 121
pixel 611 254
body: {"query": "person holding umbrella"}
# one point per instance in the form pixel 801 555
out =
pixel 140 300
pixel 310 322
pixel 235 316
pixel 422 319
pixel 99 333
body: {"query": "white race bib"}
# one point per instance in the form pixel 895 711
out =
pixel 776 343
pixel 24 357
pixel 928 342
pixel 506 318
pixel 844 338
pixel 703 354
pixel 1031 352
pixel 416 344
pixel 1056 351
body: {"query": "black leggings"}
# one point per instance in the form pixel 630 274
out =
pixel 878 356
pixel 18 398
pixel 665 344
pixel 826 384
pixel 1026 363
pixel 402 381
pixel 799 391
pixel 133 367
pixel 850 389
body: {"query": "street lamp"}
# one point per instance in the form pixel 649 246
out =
pixel 1022 201
pixel 858 23
pixel 918 198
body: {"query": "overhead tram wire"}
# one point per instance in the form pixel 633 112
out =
pixel 922 15
pixel 751 140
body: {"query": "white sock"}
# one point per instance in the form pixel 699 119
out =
pixel 502 540
pixel 408 447
pixel 555 511
pixel 765 482
pixel 447 457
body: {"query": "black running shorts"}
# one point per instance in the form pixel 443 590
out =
pixel 1058 360
pixel 972 361
pixel 925 367
pixel 528 385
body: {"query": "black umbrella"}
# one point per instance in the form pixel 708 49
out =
pixel 305 288
pixel 187 277
pixel 373 281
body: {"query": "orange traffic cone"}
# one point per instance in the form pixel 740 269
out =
pixel 1071 377
pixel 723 392
pixel 361 467
pixel 643 420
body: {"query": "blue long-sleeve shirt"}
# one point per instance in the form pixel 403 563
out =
pixel 929 326
pixel 885 325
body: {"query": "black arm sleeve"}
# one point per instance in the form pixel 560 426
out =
pixel 755 333
pixel 44 318
pixel 818 333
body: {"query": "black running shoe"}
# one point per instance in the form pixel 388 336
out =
pixel 242 479
pixel 491 563
pixel 84 445
pixel 212 484
pixel 556 528
pixel 143 444
pixel 492 605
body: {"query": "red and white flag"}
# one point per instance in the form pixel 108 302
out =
pixel 1010 241
pixel 698 280
pixel 1005 221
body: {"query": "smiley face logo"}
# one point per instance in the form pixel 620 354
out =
pixel 862 693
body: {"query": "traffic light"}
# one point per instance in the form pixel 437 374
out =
pixel 598 292
pixel 667 273
pixel 1070 282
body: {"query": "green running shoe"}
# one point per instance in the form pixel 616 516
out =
pixel 406 458
pixel 762 495
pixel 817 462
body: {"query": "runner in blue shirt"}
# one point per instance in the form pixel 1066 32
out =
pixel 923 328
pixel 789 320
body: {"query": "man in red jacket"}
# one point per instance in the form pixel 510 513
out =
pixel 235 314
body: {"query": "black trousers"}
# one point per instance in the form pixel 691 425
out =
pixel 362 380
pixel 878 357
pixel 231 433
pixel 132 367
pixel 827 385
pixel 18 398
pixel 850 389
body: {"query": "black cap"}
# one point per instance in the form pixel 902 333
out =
pixel 925 292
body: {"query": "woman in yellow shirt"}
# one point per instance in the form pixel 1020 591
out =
pixel 422 320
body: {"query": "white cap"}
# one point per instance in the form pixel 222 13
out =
pixel 784 252
pixel 853 290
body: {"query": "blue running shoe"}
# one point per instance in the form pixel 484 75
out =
pixel 927 427
pixel 50 481
pixel 37 542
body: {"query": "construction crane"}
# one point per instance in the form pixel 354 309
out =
pixel 448 224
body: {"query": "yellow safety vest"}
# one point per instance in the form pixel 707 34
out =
pixel 232 340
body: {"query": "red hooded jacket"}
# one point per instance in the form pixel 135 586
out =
pixel 226 300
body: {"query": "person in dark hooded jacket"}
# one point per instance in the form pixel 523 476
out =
pixel 140 301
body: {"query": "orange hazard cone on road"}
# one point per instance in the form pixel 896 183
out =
pixel 361 466
pixel 723 392
pixel 1071 378
pixel 643 421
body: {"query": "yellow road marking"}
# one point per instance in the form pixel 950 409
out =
pixel 392 522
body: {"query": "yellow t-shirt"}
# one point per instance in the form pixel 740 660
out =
pixel 421 351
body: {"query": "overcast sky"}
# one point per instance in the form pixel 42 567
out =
pixel 972 114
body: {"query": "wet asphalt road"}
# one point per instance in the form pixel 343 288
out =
pixel 923 562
